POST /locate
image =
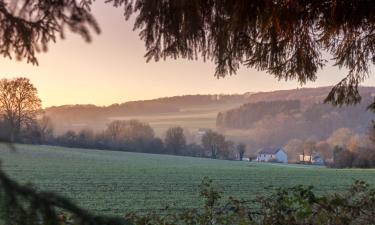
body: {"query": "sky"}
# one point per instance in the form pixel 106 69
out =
pixel 112 69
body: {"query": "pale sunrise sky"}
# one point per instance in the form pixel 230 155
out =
pixel 112 69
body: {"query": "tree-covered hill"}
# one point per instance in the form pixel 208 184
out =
pixel 274 118
pixel 71 117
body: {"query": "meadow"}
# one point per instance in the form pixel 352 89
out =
pixel 117 182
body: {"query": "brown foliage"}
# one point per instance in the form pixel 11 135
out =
pixel 19 103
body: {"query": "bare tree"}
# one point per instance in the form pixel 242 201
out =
pixel 175 140
pixel 19 103
pixel 46 128
pixel 113 130
pixel 120 130
pixel 228 151
pixel 241 148
pixel 214 143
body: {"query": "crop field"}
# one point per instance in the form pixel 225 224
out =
pixel 117 182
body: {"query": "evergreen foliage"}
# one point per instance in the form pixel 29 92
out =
pixel 284 38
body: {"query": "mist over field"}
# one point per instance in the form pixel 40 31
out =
pixel 263 119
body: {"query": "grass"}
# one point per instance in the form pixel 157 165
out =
pixel 117 182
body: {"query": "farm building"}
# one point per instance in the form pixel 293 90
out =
pixel 272 155
pixel 304 158
pixel 314 159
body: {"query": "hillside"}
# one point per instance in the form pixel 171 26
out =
pixel 274 118
pixel 258 119
pixel 197 110
pixel 305 95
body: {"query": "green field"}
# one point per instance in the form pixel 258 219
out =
pixel 117 182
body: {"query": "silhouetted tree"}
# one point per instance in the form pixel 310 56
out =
pixel 46 128
pixel 241 149
pixel 155 146
pixel 214 143
pixel 175 140
pixel 228 151
pixel 19 103
pixel 365 158
pixel 194 150
pixel 68 139
pixel 4 131
pixel 132 135
pixel 86 138
pixel 27 26
pixel 284 38
pixel 31 133
pixel 343 158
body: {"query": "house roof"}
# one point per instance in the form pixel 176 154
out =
pixel 269 151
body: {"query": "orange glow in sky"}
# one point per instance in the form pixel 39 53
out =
pixel 112 69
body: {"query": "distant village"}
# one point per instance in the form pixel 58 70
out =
pixel 278 155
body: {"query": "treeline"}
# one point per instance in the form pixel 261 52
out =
pixel 22 121
pixel 65 117
pixel 131 136
pixel 135 136
pixel 247 115
pixel 342 149
pixel 361 158
pixel 159 105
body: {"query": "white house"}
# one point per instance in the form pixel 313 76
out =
pixel 272 155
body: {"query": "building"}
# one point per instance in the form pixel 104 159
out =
pixel 318 160
pixel 305 158
pixel 272 155
pixel 314 159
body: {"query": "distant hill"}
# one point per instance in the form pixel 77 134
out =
pixel 305 95
pixel 260 119
pixel 74 117
pixel 274 118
